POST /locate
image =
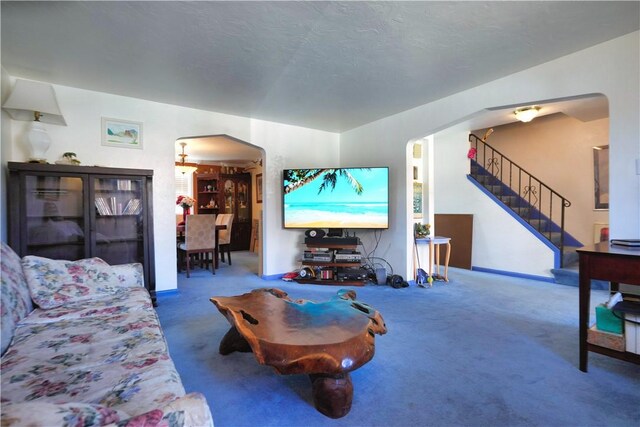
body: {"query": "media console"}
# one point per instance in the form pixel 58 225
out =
pixel 333 261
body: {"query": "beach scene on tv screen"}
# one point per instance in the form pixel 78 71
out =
pixel 336 198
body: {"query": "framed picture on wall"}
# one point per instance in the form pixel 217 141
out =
pixel 121 133
pixel 417 200
pixel 601 176
pixel 259 188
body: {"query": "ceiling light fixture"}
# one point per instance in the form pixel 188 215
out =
pixel 182 167
pixel 526 114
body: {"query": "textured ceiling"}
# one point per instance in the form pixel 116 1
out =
pixel 324 65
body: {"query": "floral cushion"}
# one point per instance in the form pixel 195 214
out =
pixel 75 414
pixel 189 410
pixel 112 354
pixel 53 283
pixel 16 301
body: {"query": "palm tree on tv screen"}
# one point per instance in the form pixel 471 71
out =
pixel 297 178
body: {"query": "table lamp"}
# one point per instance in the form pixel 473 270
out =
pixel 35 102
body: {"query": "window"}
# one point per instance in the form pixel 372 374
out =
pixel 184 186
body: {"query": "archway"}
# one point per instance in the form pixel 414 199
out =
pixel 227 179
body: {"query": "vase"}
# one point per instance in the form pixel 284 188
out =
pixel 185 212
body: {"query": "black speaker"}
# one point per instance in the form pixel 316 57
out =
pixel 315 232
pixel 396 281
pixel 307 273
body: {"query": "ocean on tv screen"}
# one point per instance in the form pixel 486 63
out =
pixel 336 198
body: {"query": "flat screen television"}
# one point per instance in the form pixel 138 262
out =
pixel 336 198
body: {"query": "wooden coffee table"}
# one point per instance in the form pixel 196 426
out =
pixel 324 340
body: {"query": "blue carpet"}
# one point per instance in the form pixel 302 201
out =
pixel 482 350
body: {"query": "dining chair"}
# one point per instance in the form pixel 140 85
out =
pixel 199 238
pixel 224 236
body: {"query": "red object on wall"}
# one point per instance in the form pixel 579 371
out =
pixel 604 234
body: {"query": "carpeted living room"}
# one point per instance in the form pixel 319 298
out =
pixel 221 213
pixel 483 349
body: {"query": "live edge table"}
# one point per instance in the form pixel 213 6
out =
pixel 615 264
pixel 324 340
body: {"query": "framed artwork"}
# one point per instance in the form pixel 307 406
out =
pixel 121 133
pixel 259 188
pixel 601 176
pixel 417 200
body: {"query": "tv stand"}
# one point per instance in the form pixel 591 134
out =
pixel 334 268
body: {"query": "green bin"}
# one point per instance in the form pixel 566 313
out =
pixel 606 321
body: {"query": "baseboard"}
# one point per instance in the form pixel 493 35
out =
pixel 514 274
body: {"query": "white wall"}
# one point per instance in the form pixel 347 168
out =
pixel 285 146
pixel 610 68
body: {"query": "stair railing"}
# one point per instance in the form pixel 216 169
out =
pixel 535 202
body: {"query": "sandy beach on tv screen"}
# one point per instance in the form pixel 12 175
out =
pixel 335 224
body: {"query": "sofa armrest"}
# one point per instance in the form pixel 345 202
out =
pixel 45 414
pixel 129 275
pixel 190 410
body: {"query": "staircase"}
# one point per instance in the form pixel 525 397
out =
pixel 538 207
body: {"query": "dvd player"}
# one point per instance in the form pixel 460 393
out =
pixel 332 240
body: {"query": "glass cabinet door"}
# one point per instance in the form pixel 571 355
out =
pixel 54 209
pixel 119 233
pixel 243 202
pixel 229 197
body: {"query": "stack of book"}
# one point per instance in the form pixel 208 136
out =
pixel 109 206
pixel 629 243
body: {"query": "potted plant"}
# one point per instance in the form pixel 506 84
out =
pixel 421 230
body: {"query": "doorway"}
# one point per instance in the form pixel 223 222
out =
pixel 226 179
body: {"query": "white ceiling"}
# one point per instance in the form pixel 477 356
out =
pixel 323 65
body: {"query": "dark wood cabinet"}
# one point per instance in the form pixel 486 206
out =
pixel 207 194
pixel 235 199
pixel 75 212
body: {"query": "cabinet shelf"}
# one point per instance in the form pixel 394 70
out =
pixel 330 263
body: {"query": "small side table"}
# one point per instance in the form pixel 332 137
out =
pixel 434 241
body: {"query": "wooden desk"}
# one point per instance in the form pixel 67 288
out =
pixel 604 262
pixel 433 242
pixel 180 232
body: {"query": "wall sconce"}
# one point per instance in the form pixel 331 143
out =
pixel 35 102
pixel 526 114
pixel 182 167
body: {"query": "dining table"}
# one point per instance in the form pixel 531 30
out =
pixel 180 235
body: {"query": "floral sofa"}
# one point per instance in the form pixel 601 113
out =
pixel 82 346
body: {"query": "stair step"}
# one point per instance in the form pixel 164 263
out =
pixel 539 224
pixel 484 179
pixel 523 212
pixel 570 257
pixel 570 277
pixel 509 200
pixel 555 237
pixel 495 189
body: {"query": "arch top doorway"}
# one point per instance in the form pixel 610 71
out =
pixel 237 166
